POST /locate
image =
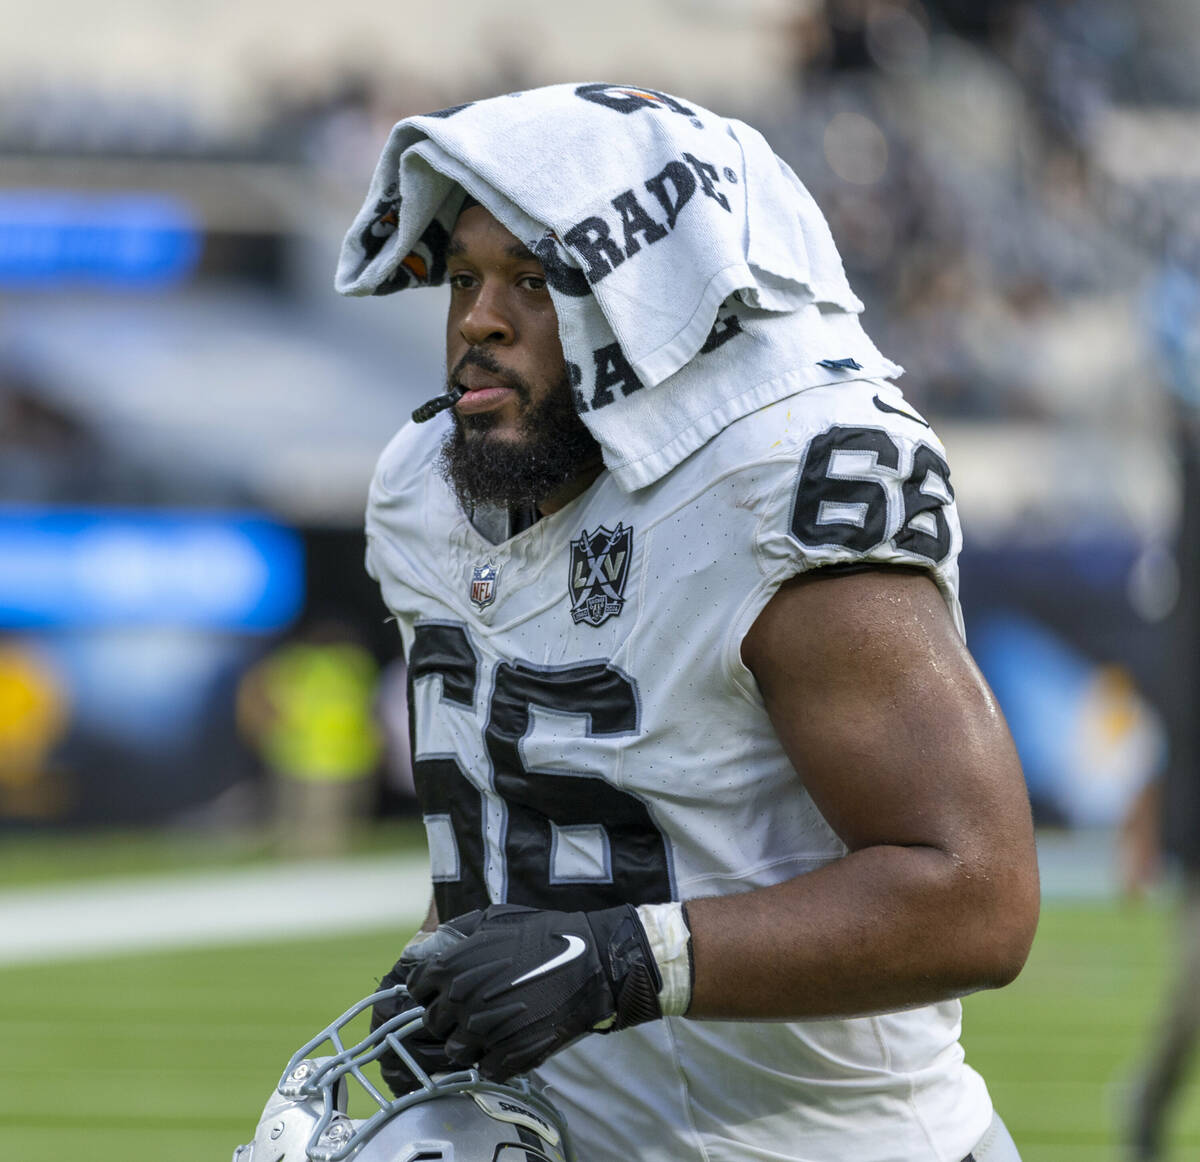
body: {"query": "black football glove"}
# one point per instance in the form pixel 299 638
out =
pixel 509 986
pixel 428 1051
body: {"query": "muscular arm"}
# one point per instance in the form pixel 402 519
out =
pixel 885 717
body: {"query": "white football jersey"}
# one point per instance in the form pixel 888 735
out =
pixel 587 735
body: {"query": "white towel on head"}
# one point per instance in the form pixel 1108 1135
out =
pixel 694 278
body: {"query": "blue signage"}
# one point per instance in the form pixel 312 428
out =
pixel 54 238
pixel 98 567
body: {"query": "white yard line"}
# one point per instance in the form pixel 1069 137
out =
pixel 67 922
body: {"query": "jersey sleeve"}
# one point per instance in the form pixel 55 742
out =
pixel 387 496
pixel 854 477
pixel 864 480
pixel 397 516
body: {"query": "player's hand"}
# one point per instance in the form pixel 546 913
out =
pixel 510 985
pixel 428 1050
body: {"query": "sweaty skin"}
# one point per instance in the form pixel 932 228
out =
pixel 876 702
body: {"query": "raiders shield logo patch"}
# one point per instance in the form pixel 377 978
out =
pixel 599 570
pixel 483 585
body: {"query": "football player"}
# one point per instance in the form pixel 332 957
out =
pixel 704 765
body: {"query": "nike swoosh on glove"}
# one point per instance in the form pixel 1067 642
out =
pixel 509 986
pixel 428 1050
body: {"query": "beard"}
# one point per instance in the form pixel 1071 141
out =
pixel 554 447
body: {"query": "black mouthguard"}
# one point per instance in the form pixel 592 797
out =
pixel 439 404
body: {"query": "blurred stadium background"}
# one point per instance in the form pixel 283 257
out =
pixel 189 418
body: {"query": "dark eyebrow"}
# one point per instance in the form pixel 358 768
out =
pixel 517 250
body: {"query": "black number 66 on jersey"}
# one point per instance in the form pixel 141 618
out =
pixel 853 491
pixel 538 805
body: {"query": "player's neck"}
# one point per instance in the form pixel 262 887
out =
pixel 563 495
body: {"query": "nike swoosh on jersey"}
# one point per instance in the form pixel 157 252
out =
pixel 887 407
pixel 574 949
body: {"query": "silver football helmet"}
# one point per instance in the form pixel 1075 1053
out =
pixel 451 1117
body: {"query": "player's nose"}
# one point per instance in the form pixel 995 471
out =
pixel 487 320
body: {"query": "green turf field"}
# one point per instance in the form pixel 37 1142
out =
pixel 170 1056
pixel 1059 1045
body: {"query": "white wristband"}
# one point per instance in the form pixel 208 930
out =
pixel 671 942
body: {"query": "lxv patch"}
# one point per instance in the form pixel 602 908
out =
pixel 599 571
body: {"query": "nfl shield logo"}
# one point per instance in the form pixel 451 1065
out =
pixel 599 571
pixel 483 585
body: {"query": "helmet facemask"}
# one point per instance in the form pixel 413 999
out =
pixel 459 1116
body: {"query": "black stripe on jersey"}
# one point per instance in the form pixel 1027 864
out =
pixel 848 568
